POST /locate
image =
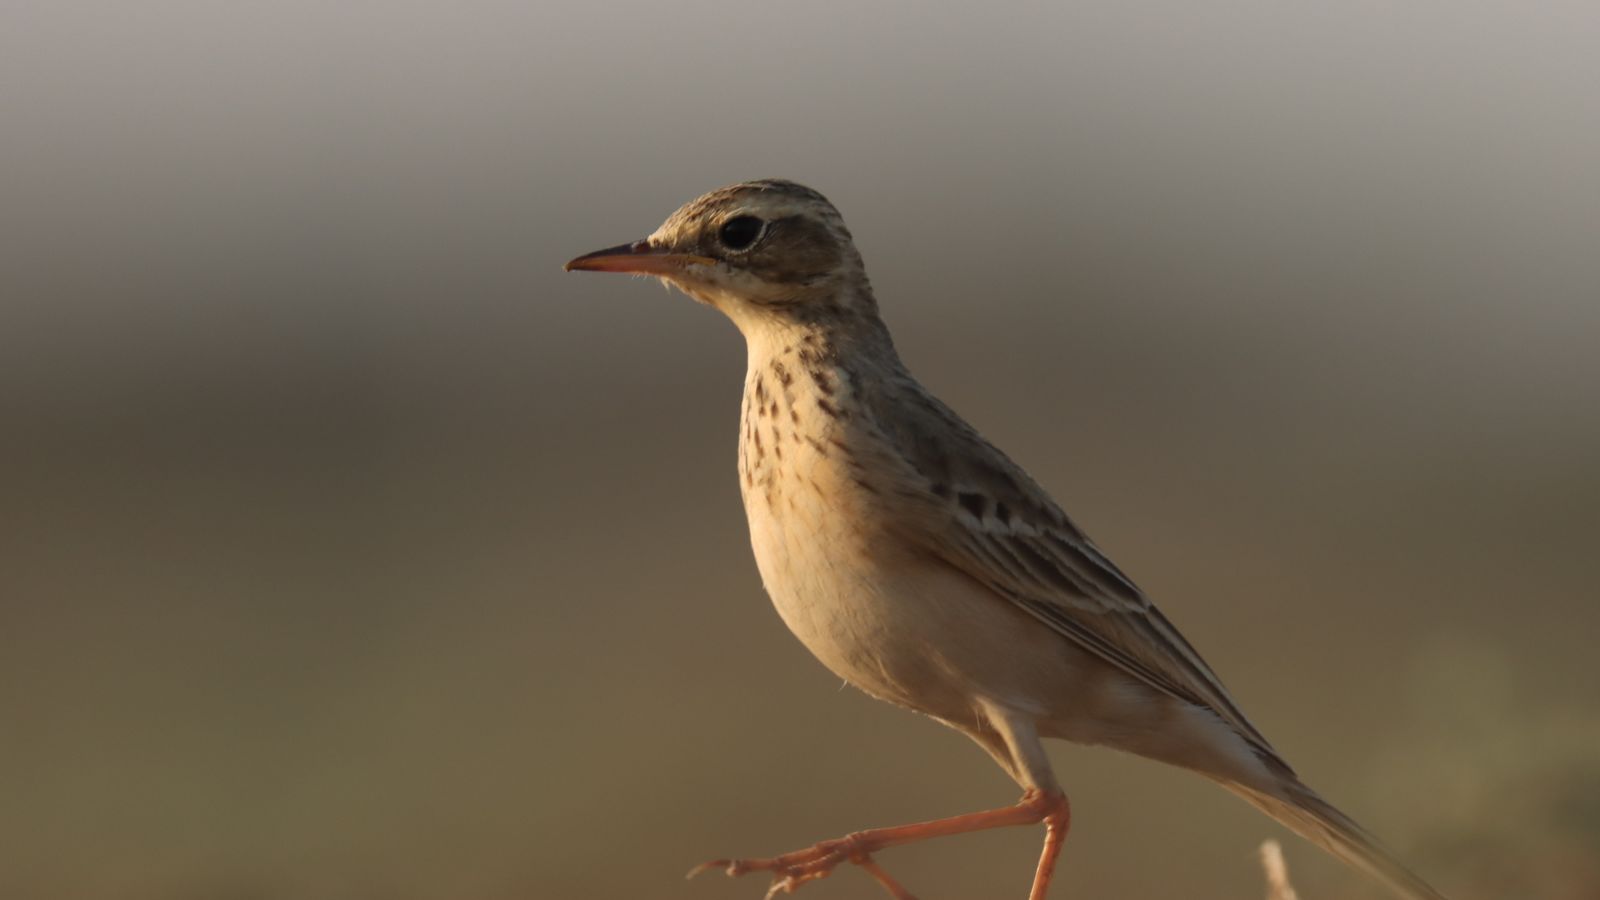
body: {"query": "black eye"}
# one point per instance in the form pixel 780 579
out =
pixel 739 232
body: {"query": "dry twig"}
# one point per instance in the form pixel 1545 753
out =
pixel 1278 886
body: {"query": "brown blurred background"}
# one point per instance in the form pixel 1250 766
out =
pixel 351 550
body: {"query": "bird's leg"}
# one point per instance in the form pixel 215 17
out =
pixel 791 870
pixel 1056 824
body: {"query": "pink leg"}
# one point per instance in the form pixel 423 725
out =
pixel 792 870
pixel 1056 824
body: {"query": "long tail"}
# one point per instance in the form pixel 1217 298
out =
pixel 1315 819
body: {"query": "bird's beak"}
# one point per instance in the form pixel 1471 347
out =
pixel 638 258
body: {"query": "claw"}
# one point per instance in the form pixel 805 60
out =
pixel 726 864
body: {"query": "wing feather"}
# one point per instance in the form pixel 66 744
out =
pixel 992 521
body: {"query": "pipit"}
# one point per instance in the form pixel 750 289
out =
pixel 923 566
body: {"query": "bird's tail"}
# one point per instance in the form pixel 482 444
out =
pixel 1315 819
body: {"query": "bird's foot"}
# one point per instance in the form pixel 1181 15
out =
pixel 792 870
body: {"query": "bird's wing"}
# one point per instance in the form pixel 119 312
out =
pixel 988 518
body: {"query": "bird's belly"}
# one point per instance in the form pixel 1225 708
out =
pixel 842 605
pixel 887 620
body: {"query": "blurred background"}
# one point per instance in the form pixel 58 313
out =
pixel 352 550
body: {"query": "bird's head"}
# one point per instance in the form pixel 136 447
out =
pixel 758 251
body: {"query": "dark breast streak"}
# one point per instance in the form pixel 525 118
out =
pixel 796 408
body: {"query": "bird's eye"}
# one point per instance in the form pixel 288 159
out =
pixel 739 232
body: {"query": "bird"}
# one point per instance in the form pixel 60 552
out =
pixel 920 564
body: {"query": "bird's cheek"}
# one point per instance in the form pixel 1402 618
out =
pixel 700 290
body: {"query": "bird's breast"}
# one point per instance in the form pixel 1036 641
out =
pixel 804 487
pixel 818 519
